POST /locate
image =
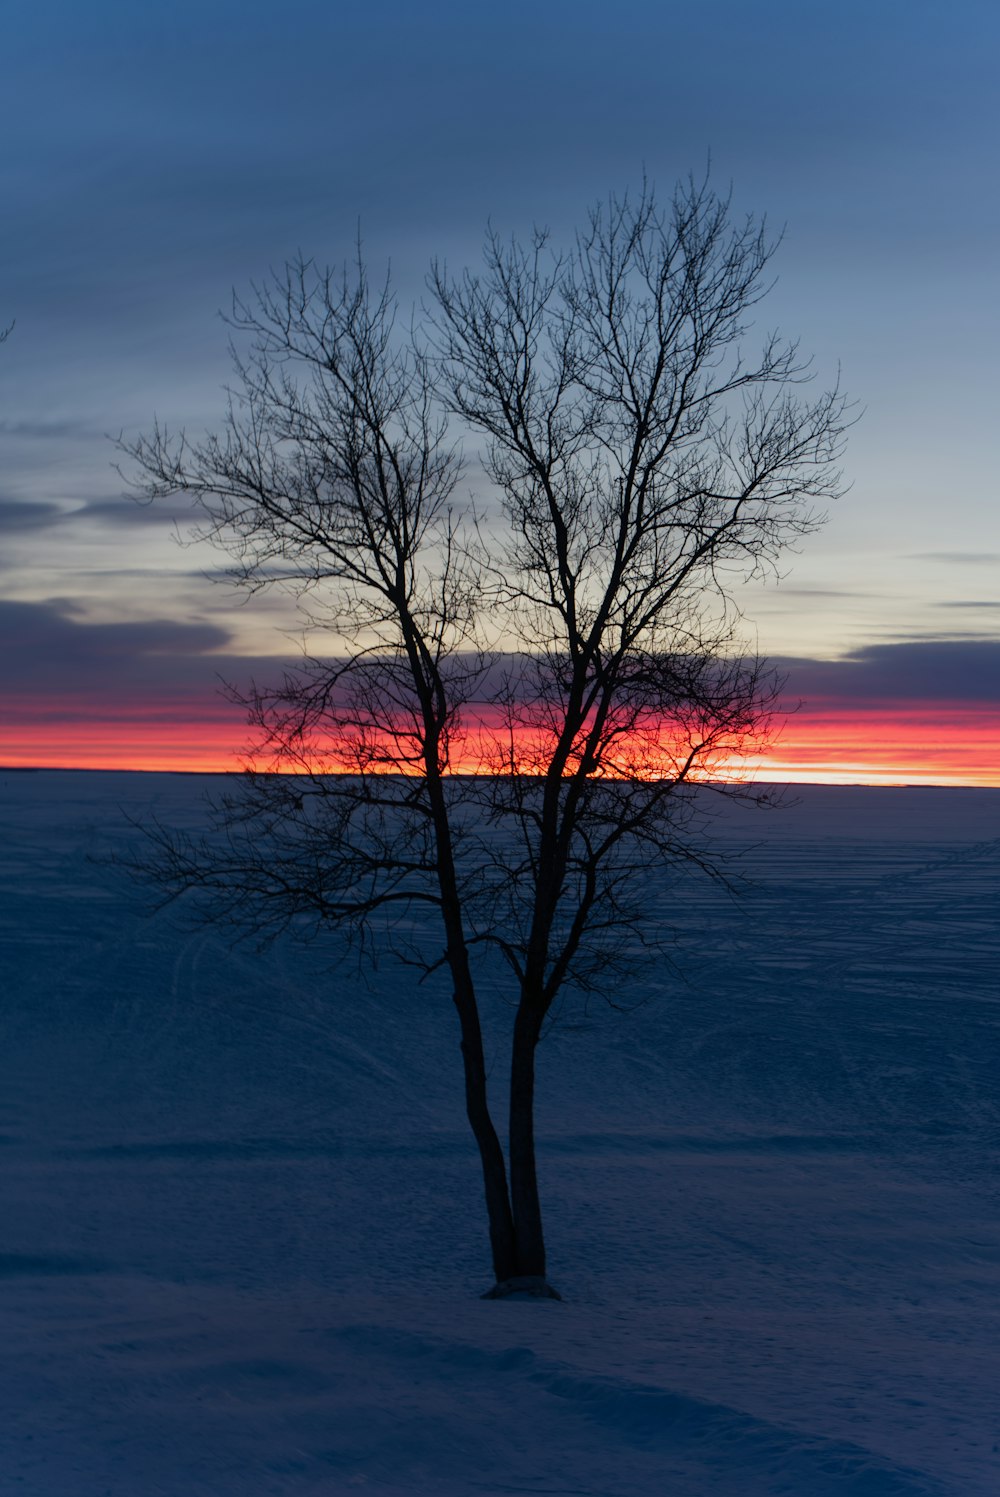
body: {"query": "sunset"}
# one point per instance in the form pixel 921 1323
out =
pixel 499 749
pixel 823 742
pixel 149 191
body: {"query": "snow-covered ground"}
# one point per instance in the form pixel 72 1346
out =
pixel 242 1239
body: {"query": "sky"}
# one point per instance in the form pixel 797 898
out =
pixel 156 158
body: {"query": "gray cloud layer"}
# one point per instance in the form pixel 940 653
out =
pixel 46 652
pixel 19 516
pixel 960 558
pixel 966 670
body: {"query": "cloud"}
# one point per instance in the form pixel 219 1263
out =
pixel 23 516
pixel 960 558
pixel 45 651
pixel 126 511
pixel 969 603
pixel 46 430
pixel 19 516
pixel 931 670
pixel 785 591
pixel 55 665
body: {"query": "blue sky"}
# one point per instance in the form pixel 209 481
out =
pixel 156 158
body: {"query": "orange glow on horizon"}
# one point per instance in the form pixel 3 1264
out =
pixel 196 734
pixel 911 743
pixel 831 742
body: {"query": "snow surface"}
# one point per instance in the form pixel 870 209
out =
pixel 243 1239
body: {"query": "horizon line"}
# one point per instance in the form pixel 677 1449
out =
pixel 819 784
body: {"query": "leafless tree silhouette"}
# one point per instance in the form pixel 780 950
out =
pixel 517 695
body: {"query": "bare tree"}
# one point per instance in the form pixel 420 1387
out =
pixel 517 697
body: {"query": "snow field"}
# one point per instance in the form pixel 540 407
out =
pixel 242 1240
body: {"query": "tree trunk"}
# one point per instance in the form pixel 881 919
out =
pixel 498 1210
pixel 528 1237
pixel 477 1109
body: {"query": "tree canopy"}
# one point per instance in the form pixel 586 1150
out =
pixel 517 522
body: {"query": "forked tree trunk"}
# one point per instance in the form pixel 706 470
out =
pixel 527 1212
pixel 515 1216
pixel 502 1244
pixel 494 1169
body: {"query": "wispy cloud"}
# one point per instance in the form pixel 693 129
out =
pixel 785 591
pixel 126 511
pixel 19 516
pixel 968 603
pixel 50 430
pixel 959 558
pixel 23 515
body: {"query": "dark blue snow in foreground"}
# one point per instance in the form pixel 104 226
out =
pixel 242 1238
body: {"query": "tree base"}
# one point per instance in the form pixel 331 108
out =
pixel 523 1286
